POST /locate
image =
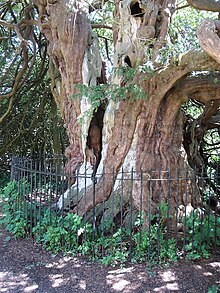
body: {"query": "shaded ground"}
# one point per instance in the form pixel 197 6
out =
pixel 24 267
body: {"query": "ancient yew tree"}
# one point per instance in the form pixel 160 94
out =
pixel 132 118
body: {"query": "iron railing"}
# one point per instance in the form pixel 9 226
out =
pixel 165 225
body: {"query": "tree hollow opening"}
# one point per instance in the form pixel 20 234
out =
pixel 127 61
pixel 136 10
pixel 94 138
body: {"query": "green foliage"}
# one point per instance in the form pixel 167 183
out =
pixel 213 289
pixel 126 73
pixel 201 234
pixel 95 94
pixel 104 92
pixel 182 34
pixel 192 109
pixel 153 241
pixel 115 247
pixel 69 233
pixel 182 30
pixel 63 233
pixel 4 179
pixel 13 218
pixel 30 123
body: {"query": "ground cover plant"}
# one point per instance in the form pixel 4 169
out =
pixel 69 233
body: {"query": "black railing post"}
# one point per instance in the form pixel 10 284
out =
pixel 217 179
pixel 85 201
pixel 131 211
pixel 121 208
pixel 141 207
pixel 149 215
pixel 12 175
pixel 31 198
pixel 185 214
pixel 177 202
pixel 103 212
pixel 94 181
pixel 159 217
pixel 168 208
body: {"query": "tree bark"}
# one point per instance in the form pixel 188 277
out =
pixel 209 5
pixel 144 135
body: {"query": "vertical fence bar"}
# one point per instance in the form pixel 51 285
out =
pixel 35 193
pixel 177 201
pixel 51 190
pixel 12 172
pixel 159 216
pixel 216 180
pixel 131 211
pixel 103 212
pixel 61 175
pixel 18 179
pixel 85 194
pixel 202 205
pixel 77 208
pixel 194 204
pixel 12 177
pixel 149 215
pixel 20 184
pixel 112 208
pixel 141 207
pixel 185 215
pixel 168 207
pixel 69 230
pixel 209 174
pixel 57 173
pixel 39 200
pixel 121 208
pixel 31 198
pixel 25 190
pixel 93 215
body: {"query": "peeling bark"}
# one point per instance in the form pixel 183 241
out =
pixel 144 135
pixel 74 60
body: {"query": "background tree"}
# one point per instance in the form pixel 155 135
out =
pixel 133 121
pixel 30 124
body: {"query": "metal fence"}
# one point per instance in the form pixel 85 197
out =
pixel 164 225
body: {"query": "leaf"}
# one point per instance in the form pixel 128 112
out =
pixel 7 239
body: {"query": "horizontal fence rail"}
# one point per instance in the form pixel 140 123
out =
pixel 149 216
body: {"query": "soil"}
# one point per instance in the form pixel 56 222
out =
pixel 25 267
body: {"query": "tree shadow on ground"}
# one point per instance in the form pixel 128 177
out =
pixel 25 267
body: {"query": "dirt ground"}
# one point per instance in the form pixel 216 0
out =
pixel 25 267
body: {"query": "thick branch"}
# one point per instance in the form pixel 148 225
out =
pixel 209 5
pixel 19 75
pixel 100 25
pixel 168 77
pixel 201 88
pixel 209 39
pixel 206 90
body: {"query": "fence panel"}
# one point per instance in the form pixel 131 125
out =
pixel 148 217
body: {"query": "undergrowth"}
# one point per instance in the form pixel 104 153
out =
pixel 69 233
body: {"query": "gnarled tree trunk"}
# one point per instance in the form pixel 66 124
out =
pixel 127 134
